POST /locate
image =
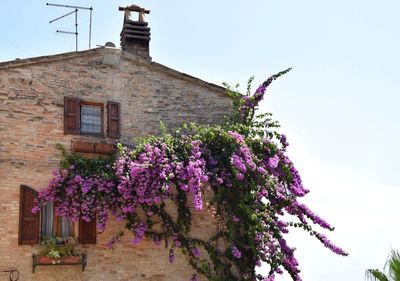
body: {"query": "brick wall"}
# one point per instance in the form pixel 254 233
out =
pixel 31 124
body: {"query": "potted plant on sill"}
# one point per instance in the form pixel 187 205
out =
pixel 57 250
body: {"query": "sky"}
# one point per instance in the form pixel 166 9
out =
pixel 338 106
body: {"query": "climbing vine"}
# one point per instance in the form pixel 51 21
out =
pixel 238 172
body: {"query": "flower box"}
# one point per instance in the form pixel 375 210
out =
pixel 68 260
pixel 63 260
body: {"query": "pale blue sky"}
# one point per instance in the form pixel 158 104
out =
pixel 338 106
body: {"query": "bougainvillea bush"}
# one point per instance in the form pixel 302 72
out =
pixel 239 171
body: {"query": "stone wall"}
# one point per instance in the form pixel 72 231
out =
pixel 31 124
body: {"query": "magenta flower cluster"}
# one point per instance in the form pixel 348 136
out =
pixel 253 185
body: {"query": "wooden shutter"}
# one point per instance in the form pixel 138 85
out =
pixel 87 232
pixel 28 232
pixel 71 115
pixel 113 119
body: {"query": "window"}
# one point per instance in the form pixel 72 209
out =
pixel 86 118
pixel 91 119
pixel 52 225
pixel 46 224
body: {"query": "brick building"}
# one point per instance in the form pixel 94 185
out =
pixel 87 101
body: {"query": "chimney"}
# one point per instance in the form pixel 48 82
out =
pixel 135 35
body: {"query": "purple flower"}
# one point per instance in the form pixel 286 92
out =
pixel 77 178
pixel 135 241
pixel 220 181
pixel 195 252
pixel 184 187
pixel 177 242
pixel 250 103
pixel 269 278
pixel 140 232
pixel 283 141
pixel 273 162
pixel 212 161
pixel 238 164
pixel 240 177
pixel 235 252
pixel 238 137
pixel 156 240
pixel 330 245
pixel 261 170
pixel 264 192
pixel 86 186
pixel 109 244
pixel 113 240
pixel 171 256
pixel 35 209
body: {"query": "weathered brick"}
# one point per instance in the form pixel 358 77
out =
pixel 31 123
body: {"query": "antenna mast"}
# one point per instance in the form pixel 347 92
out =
pixel 75 11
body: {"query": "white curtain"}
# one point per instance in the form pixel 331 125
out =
pixel 47 219
pixel 47 223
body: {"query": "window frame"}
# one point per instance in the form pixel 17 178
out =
pixel 72 117
pixel 26 203
pixel 90 103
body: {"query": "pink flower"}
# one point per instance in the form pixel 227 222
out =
pixel 195 252
pixel 235 252
pixel 240 177
pixel 35 209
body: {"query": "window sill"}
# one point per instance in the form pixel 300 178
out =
pixel 100 135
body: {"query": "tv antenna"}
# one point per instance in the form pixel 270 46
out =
pixel 74 11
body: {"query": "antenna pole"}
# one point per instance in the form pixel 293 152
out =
pixel 76 8
pixel 90 26
pixel 62 17
pixel 65 32
pixel 76 29
pixel 67 6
